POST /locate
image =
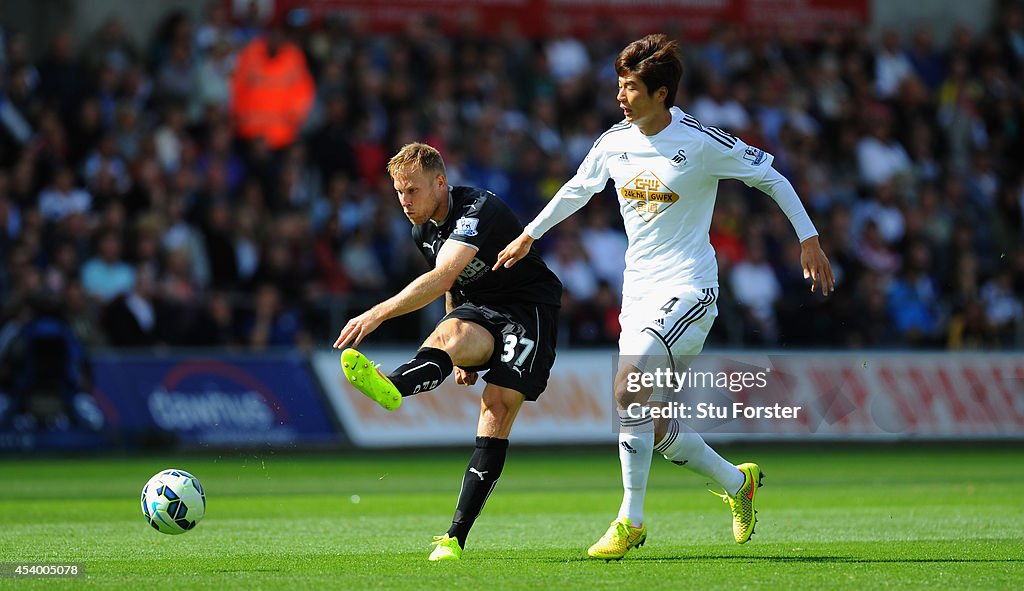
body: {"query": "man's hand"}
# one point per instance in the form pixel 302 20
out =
pixel 816 266
pixel 466 378
pixel 514 252
pixel 357 329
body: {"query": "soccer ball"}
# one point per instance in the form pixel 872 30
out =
pixel 173 501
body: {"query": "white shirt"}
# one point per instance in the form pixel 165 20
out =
pixel 577 277
pixel 666 186
pixel 755 285
pixel 606 249
pixel 879 162
pixel 54 205
pixel 727 113
pixel 890 70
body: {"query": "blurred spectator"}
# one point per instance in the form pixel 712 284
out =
pixel 247 245
pixel 331 274
pixel 716 108
pixel 104 170
pixel 331 144
pixel 219 154
pixel 62 198
pixel 128 136
pixel 212 77
pixel 272 324
pixel 219 246
pixel 178 286
pixel 87 129
pixel 927 61
pixel 596 321
pixel 958 108
pixel 107 275
pixel 874 252
pixel 606 249
pixel 216 28
pixel 63 266
pixel 61 81
pixel 44 367
pixel 570 264
pixel 135 319
pixel 176 80
pixel 880 157
pixel 271 90
pixel 567 55
pixel 872 327
pixel 1003 308
pixel 914 300
pixel 892 66
pixel 170 138
pixel 361 263
pixel 111 47
pixel 969 329
pixel 757 290
pixel 883 211
pixel 215 325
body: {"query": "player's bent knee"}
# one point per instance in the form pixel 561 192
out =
pixel 625 394
pixel 460 336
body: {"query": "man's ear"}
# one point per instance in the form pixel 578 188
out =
pixel 441 180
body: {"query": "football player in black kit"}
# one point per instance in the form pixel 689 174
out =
pixel 503 322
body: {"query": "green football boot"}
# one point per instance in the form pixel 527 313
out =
pixel 445 548
pixel 365 377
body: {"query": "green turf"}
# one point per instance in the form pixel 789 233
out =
pixel 884 517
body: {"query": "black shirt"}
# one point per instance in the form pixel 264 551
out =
pixel 481 220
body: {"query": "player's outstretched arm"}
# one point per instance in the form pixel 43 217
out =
pixel 451 260
pixel 812 258
pixel 514 252
pixel 591 177
pixel 753 166
pixel 816 266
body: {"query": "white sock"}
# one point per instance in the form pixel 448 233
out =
pixel 682 445
pixel 636 447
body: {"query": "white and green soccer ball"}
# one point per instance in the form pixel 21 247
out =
pixel 173 501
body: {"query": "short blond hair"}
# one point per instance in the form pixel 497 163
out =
pixel 416 157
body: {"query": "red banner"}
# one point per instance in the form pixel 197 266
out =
pixel 690 19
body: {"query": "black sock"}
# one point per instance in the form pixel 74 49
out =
pixel 481 476
pixel 423 372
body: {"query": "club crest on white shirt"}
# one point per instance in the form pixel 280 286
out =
pixel 466 226
pixel 648 195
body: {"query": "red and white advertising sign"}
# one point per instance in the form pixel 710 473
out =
pixel 831 396
pixel 576 408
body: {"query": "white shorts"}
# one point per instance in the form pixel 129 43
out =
pixel 661 327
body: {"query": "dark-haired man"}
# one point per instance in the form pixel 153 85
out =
pixel 666 166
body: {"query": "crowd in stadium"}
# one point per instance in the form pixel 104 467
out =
pixel 225 184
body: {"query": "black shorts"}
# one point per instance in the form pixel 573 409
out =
pixel 524 343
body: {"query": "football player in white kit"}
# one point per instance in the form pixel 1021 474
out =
pixel 666 166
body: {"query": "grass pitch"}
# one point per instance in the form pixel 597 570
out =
pixel 875 517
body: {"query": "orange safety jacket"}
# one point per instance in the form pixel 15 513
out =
pixel 271 97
